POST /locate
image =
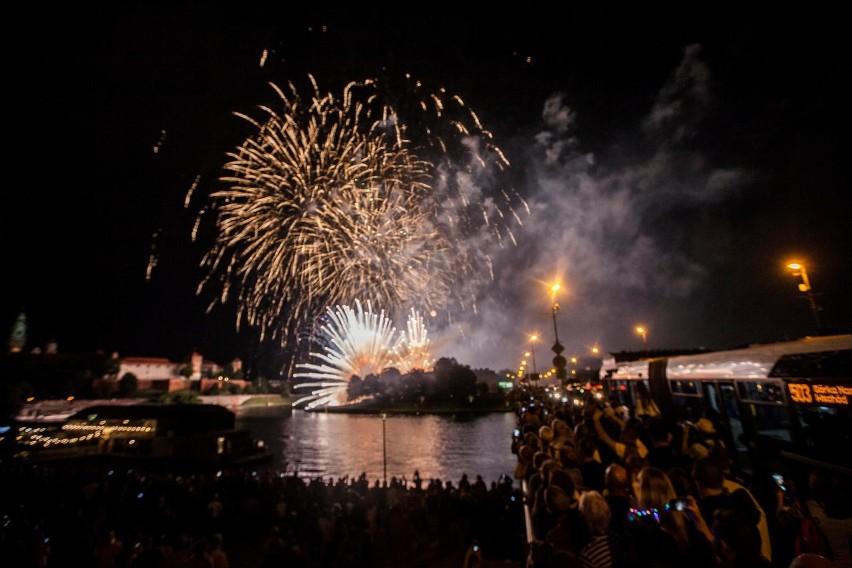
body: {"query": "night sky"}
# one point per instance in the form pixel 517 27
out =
pixel 672 161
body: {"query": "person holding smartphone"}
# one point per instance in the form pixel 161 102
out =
pixel 665 536
pixel 709 477
pixel 473 556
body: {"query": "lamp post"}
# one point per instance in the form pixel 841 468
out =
pixel 805 287
pixel 643 333
pixel 558 361
pixel 533 339
pixel 384 450
pixel 554 307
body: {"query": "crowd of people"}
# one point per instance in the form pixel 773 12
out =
pixel 81 517
pixel 595 485
pixel 607 485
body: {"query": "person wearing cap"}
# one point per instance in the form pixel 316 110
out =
pixel 704 441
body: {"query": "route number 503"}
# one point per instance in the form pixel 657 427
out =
pixel 800 393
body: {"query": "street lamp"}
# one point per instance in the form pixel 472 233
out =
pixel 805 288
pixel 643 333
pixel 384 449
pixel 554 307
pixel 558 361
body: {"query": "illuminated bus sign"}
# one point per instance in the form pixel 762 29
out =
pixel 821 394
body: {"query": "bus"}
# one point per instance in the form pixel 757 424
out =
pixel 790 400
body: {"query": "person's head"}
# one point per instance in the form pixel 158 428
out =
pixel 539 459
pixel 809 560
pixel 681 481
pixel 735 536
pixel 216 540
pixel 617 480
pixel 708 475
pixel 561 428
pixel 587 447
pixel 560 477
pixel 631 429
pixel 569 456
pixel 532 439
pixel 635 464
pixel 654 489
pixel 596 512
pixel 545 433
pixel 557 501
pixel 659 431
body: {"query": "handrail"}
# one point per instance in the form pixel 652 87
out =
pixel 527 515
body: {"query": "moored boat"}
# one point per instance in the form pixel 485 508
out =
pixel 150 435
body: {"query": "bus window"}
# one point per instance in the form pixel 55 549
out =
pixel 727 401
pixel 712 398
pixel 826 432
pixel 682 386
pixel 687 407
pixel 770 420
pixel 618 392
pixel 762 391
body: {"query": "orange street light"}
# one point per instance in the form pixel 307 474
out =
pixel 558 361
pixel 805 288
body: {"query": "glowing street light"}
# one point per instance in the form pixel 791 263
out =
pixel 554 307
pixel 643 333
pixel 805 288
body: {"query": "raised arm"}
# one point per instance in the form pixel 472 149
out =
pixel 599 429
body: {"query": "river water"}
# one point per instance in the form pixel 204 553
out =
pixel 331 445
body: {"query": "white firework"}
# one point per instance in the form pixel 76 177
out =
pixel 361 343
pixel 415 352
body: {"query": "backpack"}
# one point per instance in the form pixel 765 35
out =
pixel 810 539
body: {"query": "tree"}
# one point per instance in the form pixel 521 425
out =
pixel 231 373
pixel 185 396
pixel 111 366
pixel 453 380
pixel 354 389
pixel 128 385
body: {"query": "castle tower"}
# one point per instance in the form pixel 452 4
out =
pixel 197 360
pixel 18 337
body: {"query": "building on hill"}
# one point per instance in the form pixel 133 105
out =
pixel 159 373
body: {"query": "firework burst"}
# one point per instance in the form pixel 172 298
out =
pixel 360 343
pixel 336 198
pixel 415 352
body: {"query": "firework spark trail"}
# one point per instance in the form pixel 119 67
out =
pixel 416 351
pixel 360 343
pixel 335 199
